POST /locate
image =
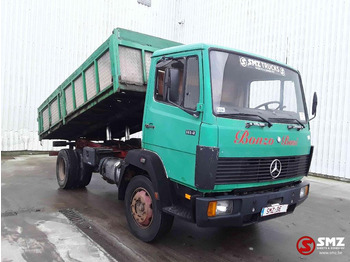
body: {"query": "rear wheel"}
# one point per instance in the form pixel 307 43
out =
pixel 67 169
pixel 145 219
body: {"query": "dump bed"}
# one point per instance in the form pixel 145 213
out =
pixel 108 89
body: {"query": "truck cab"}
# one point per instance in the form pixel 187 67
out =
pixel 231 129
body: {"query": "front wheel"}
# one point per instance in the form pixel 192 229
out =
pixel 146 221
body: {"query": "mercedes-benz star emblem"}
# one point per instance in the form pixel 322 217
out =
pixel 275 168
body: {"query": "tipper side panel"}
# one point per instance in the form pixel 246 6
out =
pixel 108 89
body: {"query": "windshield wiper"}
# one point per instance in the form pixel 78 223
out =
pixel 301 125
pixel 249 124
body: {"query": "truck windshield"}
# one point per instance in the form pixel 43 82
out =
pixel 244 86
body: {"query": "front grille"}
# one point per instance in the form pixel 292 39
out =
pixel 247 170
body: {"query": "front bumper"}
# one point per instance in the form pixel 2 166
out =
pixel 247 208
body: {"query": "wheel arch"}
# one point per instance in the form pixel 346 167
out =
pixel 149 164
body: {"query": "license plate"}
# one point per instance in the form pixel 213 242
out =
pixel 274 209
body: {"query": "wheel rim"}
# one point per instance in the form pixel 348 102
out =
pixel 61 170
pixel 141 207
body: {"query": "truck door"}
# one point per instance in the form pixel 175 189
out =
pixel 172 122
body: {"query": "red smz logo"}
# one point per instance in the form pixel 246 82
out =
pixel 306 245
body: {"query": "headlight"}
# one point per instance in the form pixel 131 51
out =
pixel 221 207
pixel 304 191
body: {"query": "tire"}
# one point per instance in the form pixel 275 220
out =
pixel 85 175
pixel 67 169
pixel 139 193
pixel 84 170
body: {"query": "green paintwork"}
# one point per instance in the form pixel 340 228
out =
pixel 119 36
pixel 168 138
pixel 227 129
pixel 177 150
pixel 225 188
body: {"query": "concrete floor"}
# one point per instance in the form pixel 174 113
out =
pixel 33 230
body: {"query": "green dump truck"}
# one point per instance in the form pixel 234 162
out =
pixel 225 133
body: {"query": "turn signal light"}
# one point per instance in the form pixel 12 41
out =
pixel 304 191
pixel 220 208
pixel 212 209
pixel 188 196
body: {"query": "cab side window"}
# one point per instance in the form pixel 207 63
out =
pixel 177 82
pixel 159 92
pixel 192 83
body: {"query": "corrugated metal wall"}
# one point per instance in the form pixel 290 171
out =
pixel 312 36
pixel 43 43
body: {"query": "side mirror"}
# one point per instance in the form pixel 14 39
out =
pixel 174 89
pixel 173 85
pixel 314 106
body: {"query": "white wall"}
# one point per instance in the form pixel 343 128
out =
pixel 41 44
pixel 312 36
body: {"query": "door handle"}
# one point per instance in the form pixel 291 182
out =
pixel 149 126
